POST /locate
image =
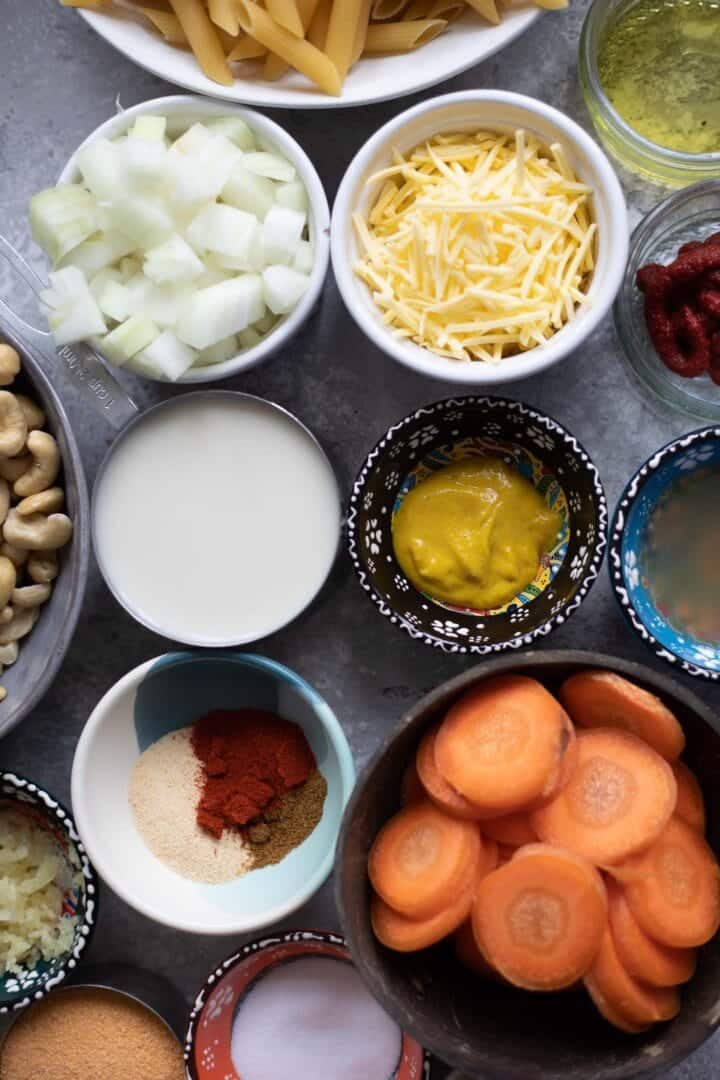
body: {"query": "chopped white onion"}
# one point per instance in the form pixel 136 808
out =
pixel 219 353
pixel 61 218
pixel 129 338
pixel 73 312
pixel 266 163
pixel 283 288
pixel 172 263
pixel 164 358
pixel 221 310
pixel 281 234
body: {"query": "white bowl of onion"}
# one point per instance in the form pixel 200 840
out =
pixel 412 296
pixel 205 240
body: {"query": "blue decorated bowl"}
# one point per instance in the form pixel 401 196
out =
pixel 628 542
pixel 545 454
pixel 162 696
pixel 78 882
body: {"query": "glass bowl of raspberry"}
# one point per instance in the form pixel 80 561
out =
pixel 667 313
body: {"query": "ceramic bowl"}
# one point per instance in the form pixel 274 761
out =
pixel 545 453
pixel 690 214
pixel 471 1023
pixel 80 891
pixel 468 111
pixel 42 653
pixel 208 1039
pixel 183 110
pixel 679 459
pixel 163 695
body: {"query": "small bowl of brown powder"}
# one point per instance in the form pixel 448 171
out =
pixel 209 790
pixel 120 1023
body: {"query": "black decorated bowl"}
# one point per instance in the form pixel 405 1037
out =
pixel 483 1027
pixel 456 429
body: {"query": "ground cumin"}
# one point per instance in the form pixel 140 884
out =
pixel 90 1035
pixel 287 822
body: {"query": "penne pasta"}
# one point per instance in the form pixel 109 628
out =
pixel 91 5
pixel 298 52
pixel 392 37
pixel 275 67
pixel 223 14
pixel 204 40
pixel 361 33
pixel 285 13
pixel 344 27
pixel 436 9
pixel 388 9
pixel 486 8
pixel 317 31
pixel 247 48
pixel 168 25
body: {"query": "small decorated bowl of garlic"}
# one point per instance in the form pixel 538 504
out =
pixel 189 240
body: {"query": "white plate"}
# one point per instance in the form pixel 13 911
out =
pixel 465 44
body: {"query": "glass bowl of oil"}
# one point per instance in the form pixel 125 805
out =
pixel 650 73
pixel 690 214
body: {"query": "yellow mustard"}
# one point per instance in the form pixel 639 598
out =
pixel 472 534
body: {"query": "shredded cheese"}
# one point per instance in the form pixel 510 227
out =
pixel 479 246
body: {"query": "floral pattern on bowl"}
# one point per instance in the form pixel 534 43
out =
pixel 545 453
pixel 80 891
pixel 700 659
pixel 208 1039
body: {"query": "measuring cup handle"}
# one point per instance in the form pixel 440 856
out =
pixel 80 364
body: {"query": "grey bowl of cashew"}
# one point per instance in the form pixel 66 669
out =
pixel 42 651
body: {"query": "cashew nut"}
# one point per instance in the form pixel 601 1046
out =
pixel 19 626
pixel 9 364
pixel 4 499
pixel 42 567
pixel 11 469
pixel 45 467
pixel 8 580
pixel 37 532
pixel 9 654
pixel 6 615
pixel 18 556
pixel 30 596
pixel 3 693
pixel 13 429
pixel 45 502
pixel 34 416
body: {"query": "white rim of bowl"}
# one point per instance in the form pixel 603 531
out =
pixel 179 401
pixel 80 779
pixel 570 337
pixel 319 217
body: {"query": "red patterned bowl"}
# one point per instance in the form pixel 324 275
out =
pixel 208 1039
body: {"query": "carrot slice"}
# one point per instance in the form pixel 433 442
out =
pixel 566 768
pixel 402 934
pixel 411 789
pixel 513 830
pixel 645 959
pixel 502 743
pixel 420 859
pixel 618 801
pixel 469 955
pixel 604 699
pixel 540 918
pixel 437 787
pixel 505 854
pixel 489 858
pixel 625 1002
pixel 690 803
pixel 673 889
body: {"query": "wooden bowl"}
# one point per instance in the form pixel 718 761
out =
pixel 484 1027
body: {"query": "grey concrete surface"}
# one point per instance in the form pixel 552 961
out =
pixel 58 81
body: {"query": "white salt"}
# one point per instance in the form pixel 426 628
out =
pixel 314 1018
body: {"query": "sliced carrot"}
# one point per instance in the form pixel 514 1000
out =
pixel 420 859
pixel 411 789
pixel 645 959
pixel 402 934
pixel 565 770
pixel 618 801
pixel 673 889
pixel 540 918
pixel 441 793
pixel 501 745
pixel 505 854
pixel 604 699
pixel 489 858
pixel 690 803
pixel 625 1002
pixel 468 953
pixel 513 830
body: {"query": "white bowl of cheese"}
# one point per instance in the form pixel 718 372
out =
pixel 479 237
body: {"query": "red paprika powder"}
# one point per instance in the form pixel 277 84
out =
pixel 251 758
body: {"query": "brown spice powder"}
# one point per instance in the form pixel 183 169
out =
pixel 286 823
pixel 90 1035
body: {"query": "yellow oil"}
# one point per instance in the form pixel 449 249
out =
pixel 660 67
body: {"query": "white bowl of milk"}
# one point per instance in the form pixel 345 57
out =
pixel 216 518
